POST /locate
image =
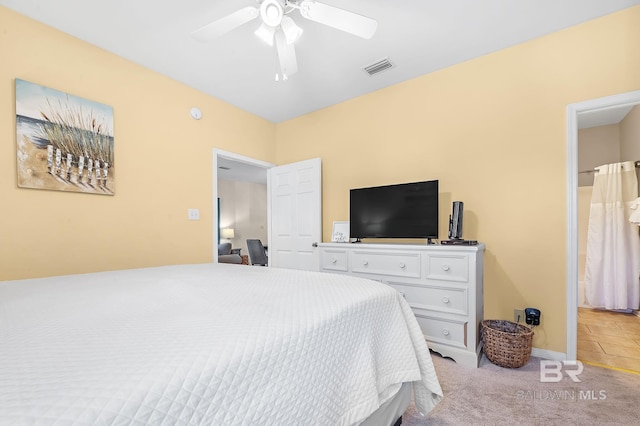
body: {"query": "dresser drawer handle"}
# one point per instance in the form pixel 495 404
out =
pixel 445 267
pixel 365 262
pixel 334 260
pixel 402 265
pixel 445 332
pixel 403 295
pixel 445 300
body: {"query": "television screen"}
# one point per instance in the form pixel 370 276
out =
pixel 408 210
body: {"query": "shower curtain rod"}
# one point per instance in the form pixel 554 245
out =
pixel 637 164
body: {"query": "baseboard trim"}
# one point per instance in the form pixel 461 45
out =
pixel 547 354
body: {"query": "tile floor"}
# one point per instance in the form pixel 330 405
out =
pixel 609 338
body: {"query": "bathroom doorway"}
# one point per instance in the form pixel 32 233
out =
pixel 601 131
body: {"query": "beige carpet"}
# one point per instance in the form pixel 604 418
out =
pixel 492 395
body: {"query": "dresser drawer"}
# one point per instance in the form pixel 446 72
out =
pixel 389 263
pixel 334 260
pixel 447 267
pixel 453 333
pixel 452 300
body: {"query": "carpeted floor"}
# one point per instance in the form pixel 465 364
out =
pixel 492 395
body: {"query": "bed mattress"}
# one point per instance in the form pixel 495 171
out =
pixel 206 344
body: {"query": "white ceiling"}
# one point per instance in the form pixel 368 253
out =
pixel 418 36
pixel 603 117
pixel 235 170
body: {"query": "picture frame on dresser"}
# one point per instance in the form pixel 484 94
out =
pixel 340 232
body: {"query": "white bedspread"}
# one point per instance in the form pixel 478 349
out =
pixel 208 344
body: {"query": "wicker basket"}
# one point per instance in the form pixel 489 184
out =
pixel 506 343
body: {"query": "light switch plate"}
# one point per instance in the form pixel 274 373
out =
pixel 193 214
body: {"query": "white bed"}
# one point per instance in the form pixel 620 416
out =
pixel 208 344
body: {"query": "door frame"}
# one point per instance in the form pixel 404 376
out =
pixel 599 104
pixel 219 153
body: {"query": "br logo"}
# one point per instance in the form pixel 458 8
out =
pixel 552 371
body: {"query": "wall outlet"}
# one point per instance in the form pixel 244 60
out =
pixel 518 315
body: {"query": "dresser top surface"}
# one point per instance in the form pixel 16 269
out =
pixel 400 246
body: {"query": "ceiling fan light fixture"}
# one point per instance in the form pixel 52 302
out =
pixel 280 31
pixel 292 32
pixel 266 34
pixel 271 12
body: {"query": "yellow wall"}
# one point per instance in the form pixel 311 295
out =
pixel 164 162
pixel 493 131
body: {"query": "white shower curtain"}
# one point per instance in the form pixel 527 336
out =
pixel 612 274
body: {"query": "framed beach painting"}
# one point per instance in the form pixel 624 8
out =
pixel 64 143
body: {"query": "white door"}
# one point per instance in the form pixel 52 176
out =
pixel 295 198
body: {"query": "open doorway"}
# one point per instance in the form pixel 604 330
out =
pixel 240 201
pixel 589 114
pixel 294 195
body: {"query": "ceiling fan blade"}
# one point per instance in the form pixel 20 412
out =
pixel 340 19
pixel 286 56
pixel 228 23
pixel 292 61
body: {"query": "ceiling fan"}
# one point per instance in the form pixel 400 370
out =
pixel 279 29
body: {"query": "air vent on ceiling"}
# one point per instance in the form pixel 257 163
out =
pixel 378 66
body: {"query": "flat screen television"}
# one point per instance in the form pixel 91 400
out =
pixel 407 210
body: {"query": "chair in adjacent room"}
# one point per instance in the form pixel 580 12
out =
pixel 257 253
pixel 225 255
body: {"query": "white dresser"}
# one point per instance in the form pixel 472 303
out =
pixel 442 283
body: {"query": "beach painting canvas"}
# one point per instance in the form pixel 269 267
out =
pixel 64 142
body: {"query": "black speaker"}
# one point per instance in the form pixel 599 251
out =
pixel 455 221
